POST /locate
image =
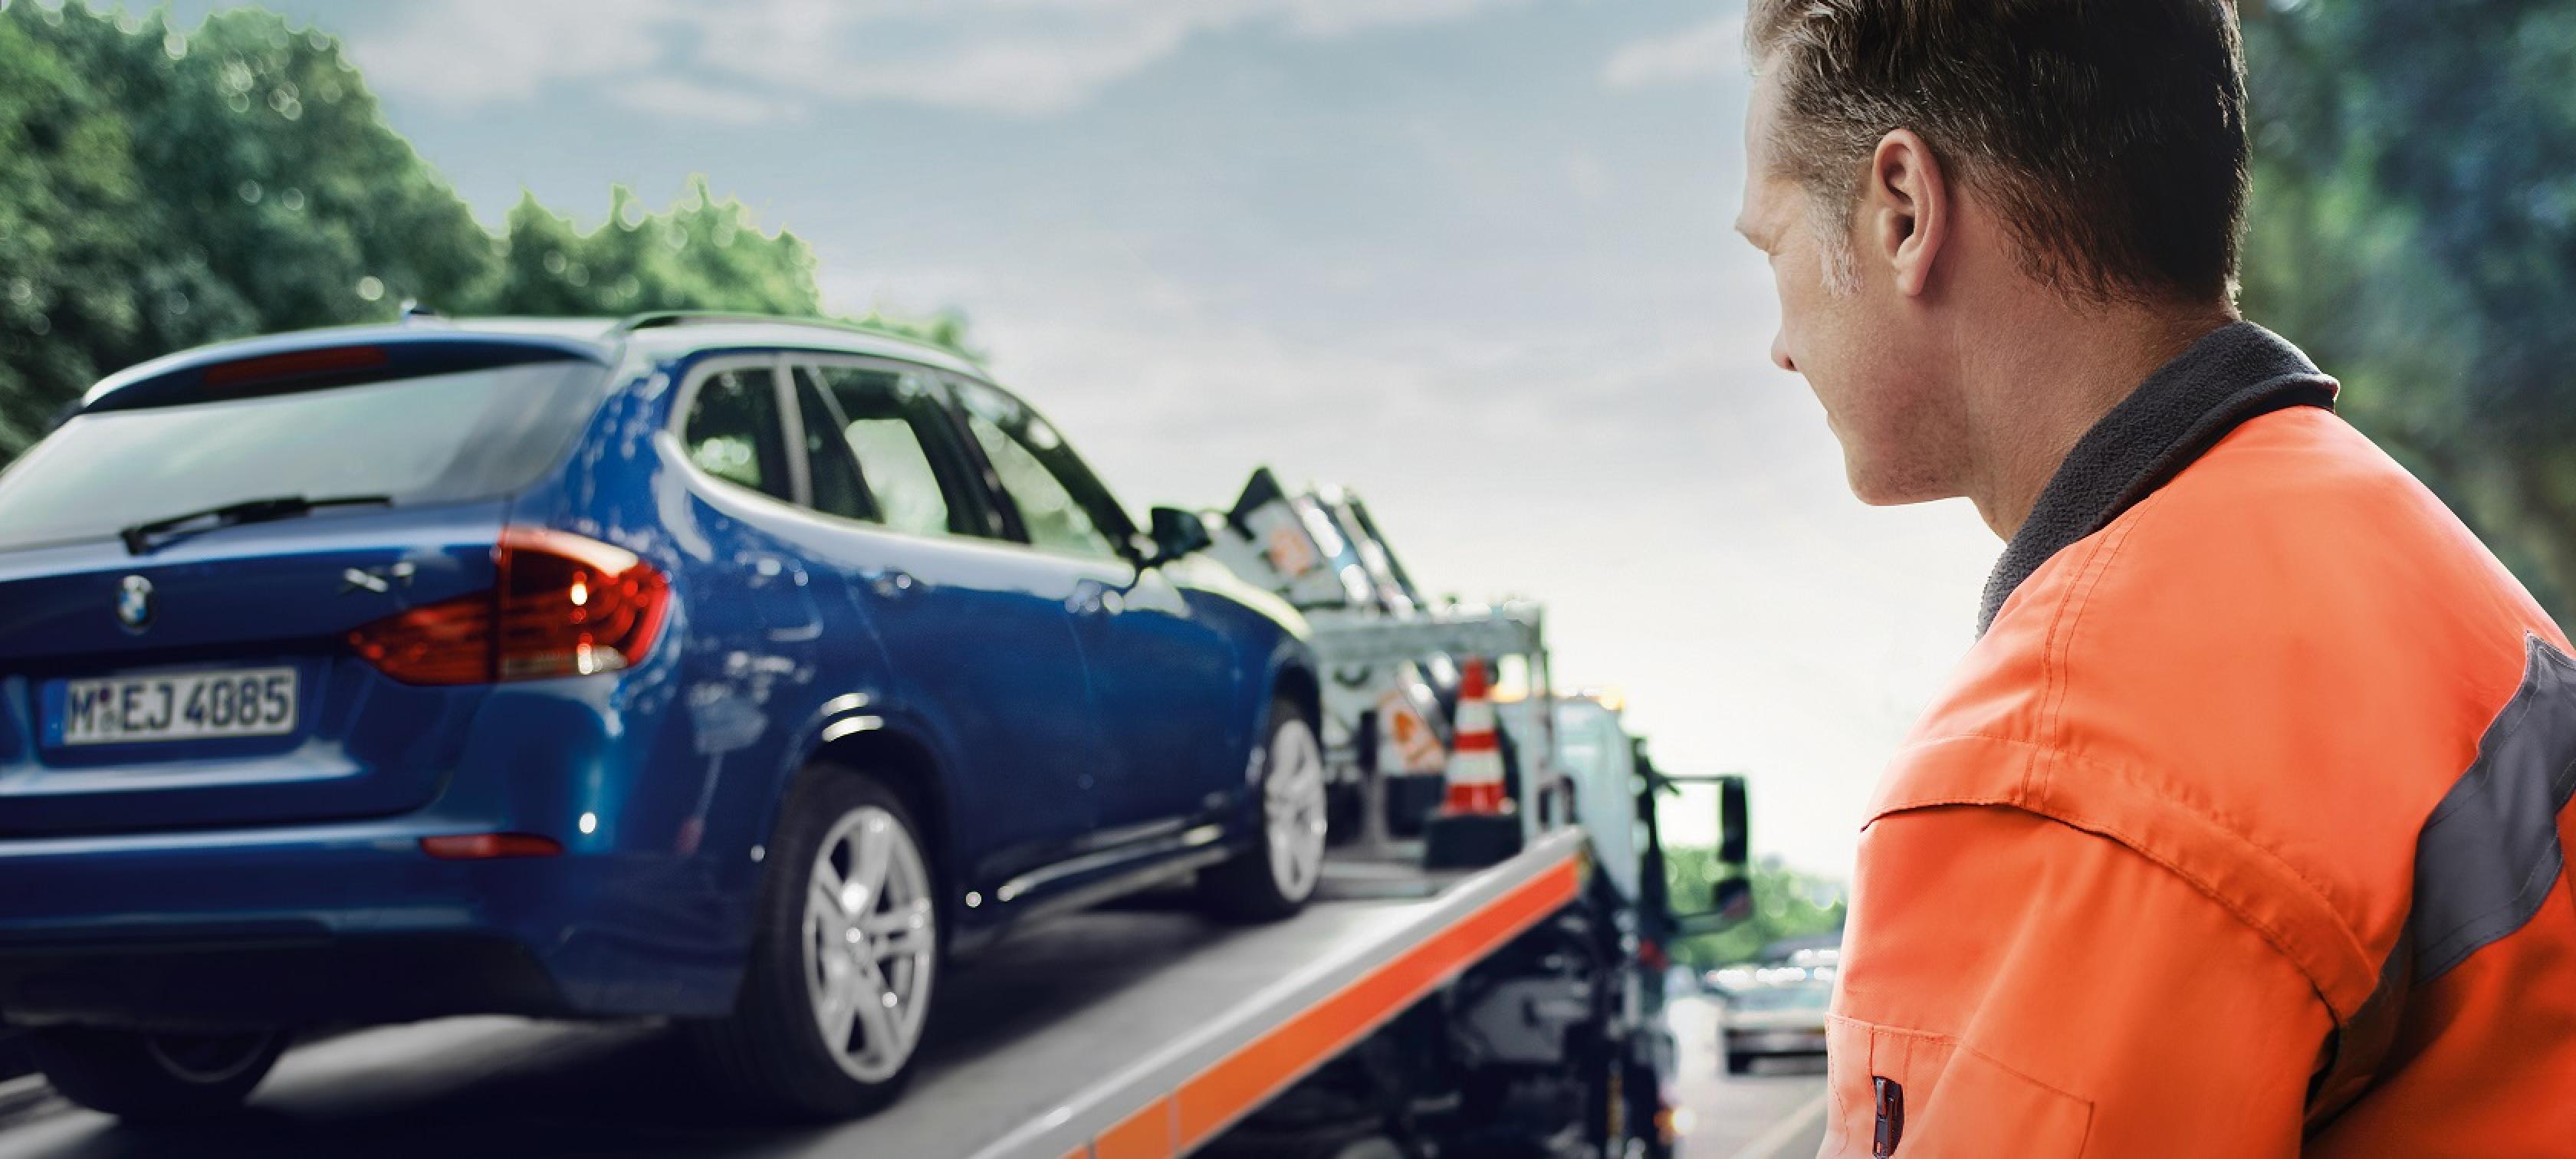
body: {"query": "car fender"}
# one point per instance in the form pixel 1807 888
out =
pixel 840 718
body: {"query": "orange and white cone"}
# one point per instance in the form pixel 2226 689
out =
pixel 1476 760
pixel 1477 825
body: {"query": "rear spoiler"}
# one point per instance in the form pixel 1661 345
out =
pixel 311 362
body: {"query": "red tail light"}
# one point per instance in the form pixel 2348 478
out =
pixel 490 846
pixel 566 606
pixel 295 364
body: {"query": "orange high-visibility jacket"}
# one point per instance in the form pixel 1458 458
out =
pixel 2239 832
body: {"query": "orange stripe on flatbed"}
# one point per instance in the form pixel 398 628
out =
pixel 1147 1134
pixel 1240 1082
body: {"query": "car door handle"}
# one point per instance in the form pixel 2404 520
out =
pixel 891 583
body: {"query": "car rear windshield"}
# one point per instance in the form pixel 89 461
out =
pixel 471 434
pixel 1787 998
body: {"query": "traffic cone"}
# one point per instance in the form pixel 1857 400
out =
pixel 1477 825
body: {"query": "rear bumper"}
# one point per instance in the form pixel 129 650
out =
pixel 351 923
pixel 285 975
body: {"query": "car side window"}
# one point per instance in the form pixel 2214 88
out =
pixel 733 430
pixel 1038 472
pixel 832 473
pixel 888 423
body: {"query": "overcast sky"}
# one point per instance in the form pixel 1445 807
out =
pixel 1468 257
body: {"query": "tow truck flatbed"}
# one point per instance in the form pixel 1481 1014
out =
pixel 1109 1035
pixel 1164 1066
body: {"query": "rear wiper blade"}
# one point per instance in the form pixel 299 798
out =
pixel 138 538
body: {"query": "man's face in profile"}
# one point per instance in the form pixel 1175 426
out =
pixel 1841 326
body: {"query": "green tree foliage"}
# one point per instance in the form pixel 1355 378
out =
pixel 1786 904
pixel 160 189
pixel 66 173
pixel 702 254
pixel 2414 226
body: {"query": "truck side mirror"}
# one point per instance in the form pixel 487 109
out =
pixel 1734 824
pixel 1177 533
pixel 1711 886
pixel 1733 899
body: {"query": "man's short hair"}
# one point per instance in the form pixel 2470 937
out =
pixel 2110 134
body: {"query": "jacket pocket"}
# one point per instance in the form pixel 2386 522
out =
pixel 1956 1101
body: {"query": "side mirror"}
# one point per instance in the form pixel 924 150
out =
pixel 1734 825
pixel 1734 900
pixel 1177 533
pixel 1733 897
pixel 1708 878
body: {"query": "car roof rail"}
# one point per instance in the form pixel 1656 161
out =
pixel 665 319
pixel 658 319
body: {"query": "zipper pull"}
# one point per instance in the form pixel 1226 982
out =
pixel 1891 1116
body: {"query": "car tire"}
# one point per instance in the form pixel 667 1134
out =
pixel 148 1077
pixel 848 868
pixel 1739 1063
pixel 1278 872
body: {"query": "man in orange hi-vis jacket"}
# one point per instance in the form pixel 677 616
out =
pixel 2240 830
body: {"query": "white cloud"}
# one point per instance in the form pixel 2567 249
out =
pixel 1335 17
pixel 474 52
pixel 1015 74
pixel 1590 177
pixel 1021 57
pixel 677 97
pixel 1701 51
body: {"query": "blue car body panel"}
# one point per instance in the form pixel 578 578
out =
pixel 1065 727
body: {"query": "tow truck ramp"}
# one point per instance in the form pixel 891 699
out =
pixel 1114 1034
pixel 1167 1065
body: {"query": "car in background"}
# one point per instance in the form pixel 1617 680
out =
pixel 1805 964
pixel 1772 1020
pixel 740 671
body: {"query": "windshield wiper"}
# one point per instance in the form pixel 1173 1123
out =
pixel 138 538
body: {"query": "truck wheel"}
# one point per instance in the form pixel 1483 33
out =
pixel 1274 877
pixel 846 948
pixel 148 1077
pixel 1739 1063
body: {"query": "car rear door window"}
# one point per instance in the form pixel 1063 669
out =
pixel 1062 508
pixel 834 474
pixel 733 430
pixel 890 425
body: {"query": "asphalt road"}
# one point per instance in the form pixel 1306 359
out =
pixel 502 1086
pixel 1777 1112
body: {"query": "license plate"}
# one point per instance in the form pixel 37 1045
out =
pixel 176 706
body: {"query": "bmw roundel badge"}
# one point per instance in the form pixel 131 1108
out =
pixel 134 603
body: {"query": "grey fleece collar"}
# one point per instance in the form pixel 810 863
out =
pixel 2232 374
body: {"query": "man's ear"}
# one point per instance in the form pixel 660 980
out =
pixel 1905 209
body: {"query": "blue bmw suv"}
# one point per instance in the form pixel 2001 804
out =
pixel 735 670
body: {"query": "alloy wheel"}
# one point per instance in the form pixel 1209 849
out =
pixel 1293 809
pixel 871 943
